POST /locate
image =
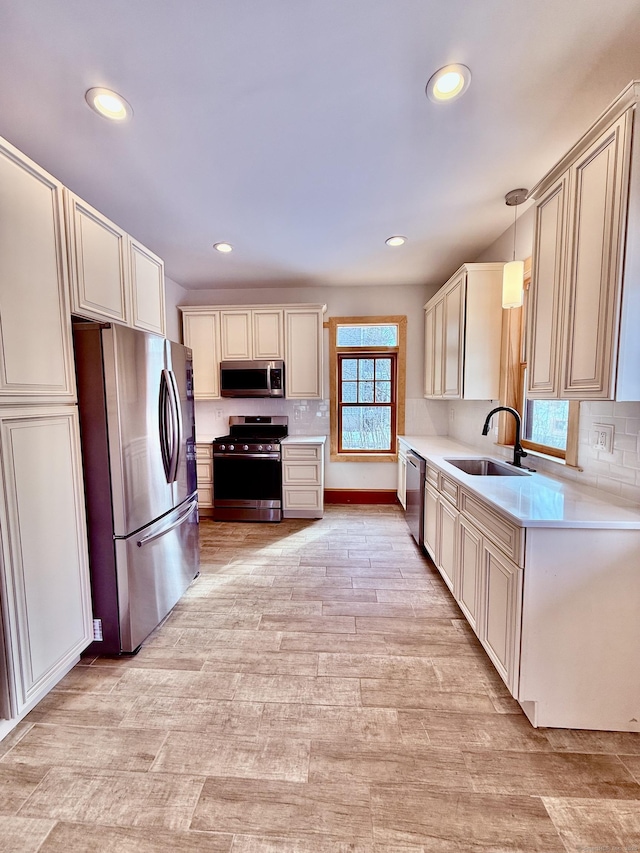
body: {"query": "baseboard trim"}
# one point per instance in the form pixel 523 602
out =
pixel 360 496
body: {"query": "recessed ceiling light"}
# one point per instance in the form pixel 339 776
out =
pixel 223 247
pixel 109 104
pixel 448 83
pixel 396 241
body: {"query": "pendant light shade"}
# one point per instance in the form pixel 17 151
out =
pixel 512 284
pixel 513 273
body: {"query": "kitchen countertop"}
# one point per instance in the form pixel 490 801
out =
pixel 304 439
pixel 537 500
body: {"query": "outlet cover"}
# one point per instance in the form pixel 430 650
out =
pixel 602 437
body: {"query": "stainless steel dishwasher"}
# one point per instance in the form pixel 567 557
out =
pixel 416 469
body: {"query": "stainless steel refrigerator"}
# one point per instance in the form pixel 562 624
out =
pixel 135 395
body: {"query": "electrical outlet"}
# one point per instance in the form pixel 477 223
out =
pixel 218 413
pixel 602 437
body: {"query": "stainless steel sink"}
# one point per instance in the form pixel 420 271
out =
pixel 486 468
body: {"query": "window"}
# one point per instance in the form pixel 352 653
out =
pixel 367 371
pixel 548 426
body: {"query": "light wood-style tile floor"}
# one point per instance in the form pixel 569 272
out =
pixel 315 691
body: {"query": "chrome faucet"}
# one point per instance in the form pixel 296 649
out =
pixel 518 451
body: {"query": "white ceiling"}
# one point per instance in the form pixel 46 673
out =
pixel 299 130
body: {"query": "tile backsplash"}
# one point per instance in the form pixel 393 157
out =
pixel 616 473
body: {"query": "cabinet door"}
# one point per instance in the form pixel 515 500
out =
pixel 453 337
pixel 98 261
pixel 470 565
pixel 501 615
pixel 44 549
pixel 236 335
pixel 429 330
pixel 267 334
pixel 201 332
pixel 545 294
pixel 438 345
pixel 431 523
pixel 446 535
pixel 147 289
pixel 402 480
pixel 36 359
pixel 303 354
pixel 596 224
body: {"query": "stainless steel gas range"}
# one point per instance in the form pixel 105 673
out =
pixel 247 469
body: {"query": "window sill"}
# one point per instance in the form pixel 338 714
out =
pixel 363 457
pixel 546 456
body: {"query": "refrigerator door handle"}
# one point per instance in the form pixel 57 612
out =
pixel 177 426
pixel 164 422
pixel 180 520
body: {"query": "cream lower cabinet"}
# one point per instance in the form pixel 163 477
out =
pixel 36 356
pixel 303 479
pixel 402 475
pixel 204 472
pixel 465 539
pixel 463 331
pixel 585 293
pixel 45 592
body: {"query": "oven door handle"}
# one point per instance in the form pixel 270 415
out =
pixel 242 455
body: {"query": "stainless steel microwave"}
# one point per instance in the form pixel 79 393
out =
pixel 252 378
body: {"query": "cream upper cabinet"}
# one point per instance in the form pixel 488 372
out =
pixel 114 278
pixel 585 300
pixel 98 263
pixel 252 334
pixel 237 333
pixel 147 289
pixel 45 583
pixel 303 352
pixel 201 332
pixel 36 358
pixel 463 328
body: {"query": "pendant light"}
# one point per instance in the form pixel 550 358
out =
pixel 513 273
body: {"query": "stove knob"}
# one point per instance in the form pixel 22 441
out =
pixel 223 447
pixel 245 446
pixel 269 447
pixel 260 447
pixel 231 447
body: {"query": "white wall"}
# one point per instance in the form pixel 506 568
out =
pixel 312 417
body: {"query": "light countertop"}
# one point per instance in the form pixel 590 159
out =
pixel 537 500
pixel 304 439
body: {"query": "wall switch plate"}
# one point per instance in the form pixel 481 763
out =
pixel 602 437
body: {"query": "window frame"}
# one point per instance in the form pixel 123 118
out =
pixel 367 353
pixel 513 384
pixel 399 385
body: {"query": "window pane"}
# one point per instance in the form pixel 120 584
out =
pixel 349 392
pixel 366 392
pixel 366 428
pixel 367 336
pixel 349 368
pixel 383 392
pixel 546 422
pixel 383 368
pixel 366 368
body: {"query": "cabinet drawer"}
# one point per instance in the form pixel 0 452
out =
pixel 204 452
pixel 432 476
pixel 449 489
pixel 205 496
pixel 204 471
pixel 503 533
pixel 299 498
pixel 301 473
pixel 303 452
